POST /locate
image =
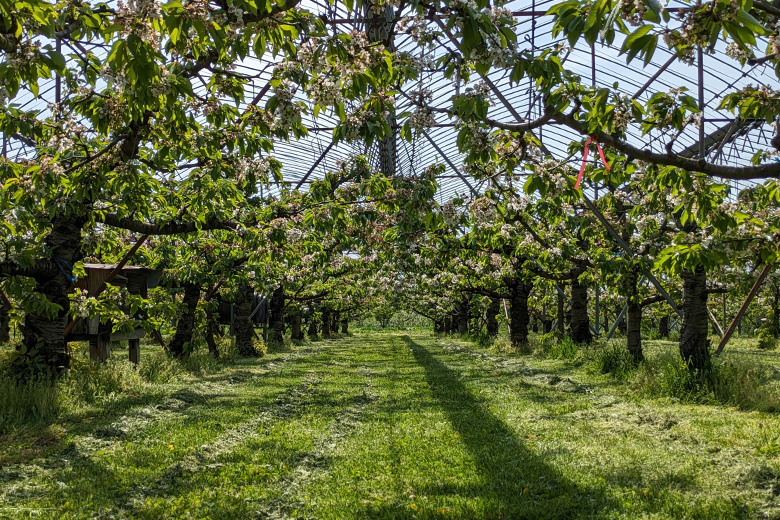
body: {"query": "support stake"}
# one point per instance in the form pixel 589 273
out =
pixel 741 311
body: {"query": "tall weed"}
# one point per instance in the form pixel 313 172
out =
pixel 740 383
pixel 614 359
pixel 27 402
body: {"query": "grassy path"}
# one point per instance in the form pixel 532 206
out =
pixel 393 426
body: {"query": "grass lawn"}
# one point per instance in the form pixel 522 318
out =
pixel 393 426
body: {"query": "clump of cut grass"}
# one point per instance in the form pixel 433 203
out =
pixel 740 383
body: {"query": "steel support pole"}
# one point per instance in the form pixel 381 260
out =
pixel 752 294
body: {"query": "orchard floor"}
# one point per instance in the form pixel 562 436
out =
pixel 394 426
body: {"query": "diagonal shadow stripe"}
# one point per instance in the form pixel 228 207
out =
pixel 518 481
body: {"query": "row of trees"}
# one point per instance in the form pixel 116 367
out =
pixel 152 132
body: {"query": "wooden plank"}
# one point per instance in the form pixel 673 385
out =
pixel 123 336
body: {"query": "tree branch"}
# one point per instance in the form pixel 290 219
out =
pixel 764 171
pixel 169 228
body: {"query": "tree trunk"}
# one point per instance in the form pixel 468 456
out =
pixel 439 326
pixel 463 316
pixel 276 323
pixel 326 322
pixel 694 345
pixel 296 324
pixel 492 317
pixel 44 335
pixel 211 331
pixel 5 329
pixel 663 327
pixel 345 325
pixel 561 314
pixel 775 324
pixel 580 322
pixel 547 326
pixel 334 324
pixel 519 292
pixel 452 322
pixel 186 324
pixel 312 332
pixel 634 325
pixel 242 325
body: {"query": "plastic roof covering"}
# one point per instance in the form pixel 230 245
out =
pixel 311 157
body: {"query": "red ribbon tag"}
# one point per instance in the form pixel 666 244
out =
pixel 591 139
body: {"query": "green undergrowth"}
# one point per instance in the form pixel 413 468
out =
pixel 381 426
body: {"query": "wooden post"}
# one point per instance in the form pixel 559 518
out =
pixel 741 311
pixel 100 348
pixel 134 350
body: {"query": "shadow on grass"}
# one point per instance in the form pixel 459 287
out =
pixel 514 482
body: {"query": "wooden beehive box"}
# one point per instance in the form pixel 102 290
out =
pixel 137 280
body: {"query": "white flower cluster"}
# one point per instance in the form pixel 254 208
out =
pixel 26 54
pixel 78 303
pixel 325 91
pixel 421 119
pixel 415 26
pixel 379 7
pixel 287 112
pixel 622 113
pixel 483 210
pixel 135 17
pixel 115 79
pixel 294 235
pixel 246 166
pixel 237 16
pixel 736 52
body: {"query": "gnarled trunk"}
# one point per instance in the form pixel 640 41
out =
pixel 775 323
pixel 186 323
pixel 242 325
pixel 438 326
pixel 519 292
pixel 211 331
pixel 492 316
pixel 561 313
pixel 634 325
pixel 296 324
pixel 334 324
pixel 694 345
pixel 44 334
pixel 276 323
pixel 326 319
pixel 5 329
pixel 580 322
pixel 663 327
pixel 463 316
pixel 312 332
